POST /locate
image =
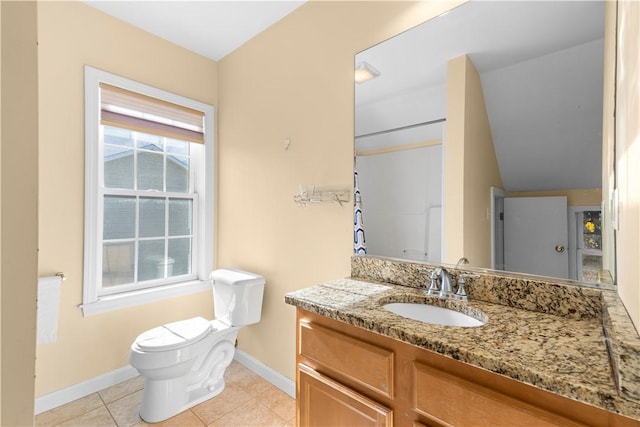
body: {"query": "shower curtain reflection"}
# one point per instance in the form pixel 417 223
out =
pixel 401 190
pixel 359 242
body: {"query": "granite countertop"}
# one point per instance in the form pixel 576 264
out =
pixel 564 355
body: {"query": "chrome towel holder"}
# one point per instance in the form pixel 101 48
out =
pixel 311 194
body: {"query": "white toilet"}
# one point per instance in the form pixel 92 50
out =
pixel 183 363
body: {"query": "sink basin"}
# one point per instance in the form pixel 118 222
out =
pixel 432 314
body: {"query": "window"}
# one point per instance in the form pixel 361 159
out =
pixel 148 193
pixel 589 246
pixel 585 243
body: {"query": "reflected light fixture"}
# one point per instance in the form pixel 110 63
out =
pixel 365 72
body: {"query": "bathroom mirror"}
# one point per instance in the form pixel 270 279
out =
pixel 540 69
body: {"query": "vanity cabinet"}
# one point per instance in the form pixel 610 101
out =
pixel 325 353
pixel 348 376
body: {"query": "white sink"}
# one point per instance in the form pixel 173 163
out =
pixel 432 314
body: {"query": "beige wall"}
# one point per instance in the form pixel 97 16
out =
pixel 628 157
pixel 469 149
pixel 0 213
pixel 581 197
pixel 295 80
pixel 71 35
pixel 453 194
pixel 19 213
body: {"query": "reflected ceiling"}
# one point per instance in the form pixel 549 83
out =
pixel 546 128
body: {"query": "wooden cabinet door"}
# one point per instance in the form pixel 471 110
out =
pixel 324 402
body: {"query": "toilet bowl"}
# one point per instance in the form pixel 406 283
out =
pixel 183 363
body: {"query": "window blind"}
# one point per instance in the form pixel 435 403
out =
pixel 130 110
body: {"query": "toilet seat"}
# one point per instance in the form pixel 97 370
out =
pixel 174 335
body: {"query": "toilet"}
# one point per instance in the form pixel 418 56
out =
pixel 183 363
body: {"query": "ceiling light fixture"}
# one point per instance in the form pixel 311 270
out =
pixel 365 72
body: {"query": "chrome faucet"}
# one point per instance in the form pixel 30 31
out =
pixel 440 282
pixel 446 291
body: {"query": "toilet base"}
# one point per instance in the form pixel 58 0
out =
pixel 164 398
pixel 156 415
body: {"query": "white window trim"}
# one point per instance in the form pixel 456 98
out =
pixel 92 303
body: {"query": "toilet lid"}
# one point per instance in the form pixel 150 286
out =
pixel 173 335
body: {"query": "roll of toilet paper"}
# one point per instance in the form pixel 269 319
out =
pixel 48 307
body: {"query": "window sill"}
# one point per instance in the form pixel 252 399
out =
pixel 144 296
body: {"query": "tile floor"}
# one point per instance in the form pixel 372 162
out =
pixel 247 400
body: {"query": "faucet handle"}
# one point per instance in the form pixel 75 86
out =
pixel 434 281
pixel 461 293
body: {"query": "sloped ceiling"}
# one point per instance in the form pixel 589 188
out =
pixel 541 69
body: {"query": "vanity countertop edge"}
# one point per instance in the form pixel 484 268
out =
pixel 564 355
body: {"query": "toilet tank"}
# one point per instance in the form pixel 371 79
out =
pixel 237 296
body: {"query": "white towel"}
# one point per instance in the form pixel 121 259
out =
pixel 48 307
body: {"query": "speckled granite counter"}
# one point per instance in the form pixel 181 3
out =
pixel 566 355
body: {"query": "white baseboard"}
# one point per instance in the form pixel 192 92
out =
pixel 85 388
pixel 269 374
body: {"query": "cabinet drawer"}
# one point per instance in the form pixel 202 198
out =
pixel 450 400
pixel 356 360
pixel 324 402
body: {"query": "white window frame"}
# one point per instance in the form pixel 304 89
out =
pixel 93 301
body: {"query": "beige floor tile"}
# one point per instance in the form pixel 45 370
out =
pixel 235 370
pixel 125 410
pixel 122 389
pixel 70 410
pixel 99 417
pixel 247 400
pixel 253 413
pixel 183 419
pixel 232 397
pixel 291 422
pixel 279 402
pixel 239 375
